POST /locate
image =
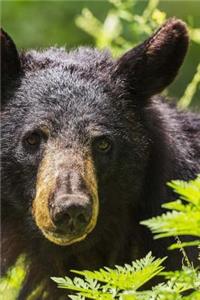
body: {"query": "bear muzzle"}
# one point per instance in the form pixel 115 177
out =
pixel 66 204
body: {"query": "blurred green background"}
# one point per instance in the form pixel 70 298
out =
pixel 38 24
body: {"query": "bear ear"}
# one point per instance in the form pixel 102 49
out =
pixel 10 62
pixel 153 65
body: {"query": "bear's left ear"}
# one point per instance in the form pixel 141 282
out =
pixel 10 62
pixel 153 65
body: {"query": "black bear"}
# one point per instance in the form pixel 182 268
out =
pixel 87 149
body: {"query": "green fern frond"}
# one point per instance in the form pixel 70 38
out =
pixel 127 277
pixel 188 191
pixel 184 218
pixel 109 283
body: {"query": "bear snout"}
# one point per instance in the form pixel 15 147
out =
pixel 66 204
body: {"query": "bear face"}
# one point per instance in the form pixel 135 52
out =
pixel 66 123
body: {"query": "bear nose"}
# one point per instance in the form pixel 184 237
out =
pixel 71 218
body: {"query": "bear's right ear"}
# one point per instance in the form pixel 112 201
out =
pixel 10 62
pixel 153 65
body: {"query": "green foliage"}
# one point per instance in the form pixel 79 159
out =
pixel 190 90
pixel 9 285
pixel 110 283
pixel 173 287
pixel 123 28
pixel 184 218
pixel 125 283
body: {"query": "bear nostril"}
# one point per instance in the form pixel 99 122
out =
pixel 82 219
pixel 61 219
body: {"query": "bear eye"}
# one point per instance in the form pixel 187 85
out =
pixel 33 139
pixel 103 145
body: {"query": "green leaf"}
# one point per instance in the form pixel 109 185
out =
pixel 184 218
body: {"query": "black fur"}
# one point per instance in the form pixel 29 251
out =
pixel 77 95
